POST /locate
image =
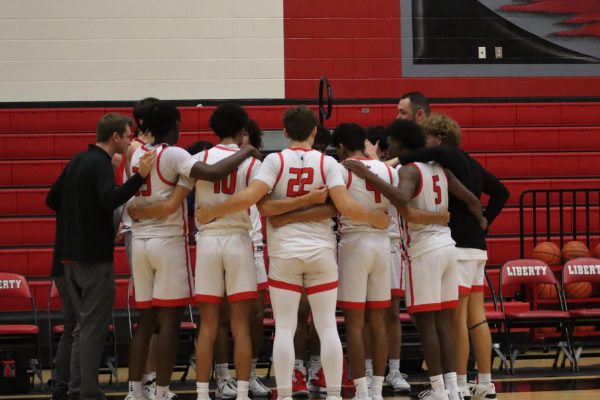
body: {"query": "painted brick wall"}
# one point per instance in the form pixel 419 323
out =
pixel 357 45
pixel 122 50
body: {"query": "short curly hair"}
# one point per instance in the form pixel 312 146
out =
pixel 443 127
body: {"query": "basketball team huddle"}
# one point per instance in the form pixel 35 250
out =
pixel 409 222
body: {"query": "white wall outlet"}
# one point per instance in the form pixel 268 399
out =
pixel 498 52
pixel 482 52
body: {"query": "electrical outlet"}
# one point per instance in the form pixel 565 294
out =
pixel 482 52
pixel 498 51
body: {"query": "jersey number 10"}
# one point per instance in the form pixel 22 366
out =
pixel 146 189
pixel 227 184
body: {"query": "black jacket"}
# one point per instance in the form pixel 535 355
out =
pixel 465 229
pixel 84 197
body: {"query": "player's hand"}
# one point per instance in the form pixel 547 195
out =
pixel 133 211
pixel 483 222
pixel 371 149
pixel 380 219
pixel 253 152
pixel 120 233
pixel 317 195
pixel 146 163
pixel 444 217
pixel 204 214
pixel 358 168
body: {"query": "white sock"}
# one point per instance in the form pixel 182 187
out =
pixel 315 363
pixel 222 371
pixel 437 383
pixel 162 392
pixel 484 379
pixel 147 378
pixel 394 364
pixel 299 364
pixel 369 367
pixel 451 382
pixel 362 390
pixel 242 389
pixel 461 380
pixel 135 389
pixel 202 390
pixel 253 368
pixel 377 386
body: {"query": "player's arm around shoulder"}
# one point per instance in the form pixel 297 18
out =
pixel 219 170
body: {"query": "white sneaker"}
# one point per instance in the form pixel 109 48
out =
pixel 226 389
pixel 149 390
pixel 258 389
pixel 132 397
pixel 397 380
pixel 431 395
pixel 457 395
pixel 480 392
pixel 466 391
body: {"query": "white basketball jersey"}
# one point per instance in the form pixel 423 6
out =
pixel 395 224
pixel 213 193
pixel 172 168
pixel 431 195
pixel 366 195
pixel 291 173
pixel 256 230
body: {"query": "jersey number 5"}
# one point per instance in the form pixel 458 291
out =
pixel 227 184
pixel 437 189
pixel 299 178
pixel 146 189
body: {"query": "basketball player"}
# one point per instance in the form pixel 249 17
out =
pixel 301 254
pixel 161 272
pixel 432 294
pixel 471 246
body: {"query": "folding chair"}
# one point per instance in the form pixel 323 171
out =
pixel 530 273
pixel 56 330
pixel 15 293
pixel 575 271
pixel 188 330
pixel 495 319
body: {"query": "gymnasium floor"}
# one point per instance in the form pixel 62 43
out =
pixel 534 379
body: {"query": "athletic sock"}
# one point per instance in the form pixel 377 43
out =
pixel 362 390
pixel 202 390
pixel 394 364
pixel 369 367
pixel 484 379
pixel 135 389
pixel 253 368
pixel 451 382
pixel 148 378
pixel 377 386
pixel 242 389
pixel 222 371
pixel 461 380
pixel 299 364
pixel 437 383
pixel 162 392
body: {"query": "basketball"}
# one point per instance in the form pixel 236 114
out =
pixel 547 252
pixel 578 290
pixel 546 291
pixel 584 328
pixel 574 249
pixel 597 251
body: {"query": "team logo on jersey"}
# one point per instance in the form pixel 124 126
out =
pixel 527 270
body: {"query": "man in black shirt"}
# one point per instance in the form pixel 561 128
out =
pixel 84 197
pixel 443 139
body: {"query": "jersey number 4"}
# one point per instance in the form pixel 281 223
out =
pixel 437 189
pixel 299 178
pixel 371 188
pixel 227 184
pixel 146 189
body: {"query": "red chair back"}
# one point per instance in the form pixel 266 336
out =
pixel 526 271
pixel 583 269
pixel 14 286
